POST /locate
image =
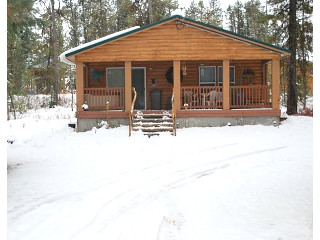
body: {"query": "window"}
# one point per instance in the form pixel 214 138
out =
pixel 97 75
pixel 231 73
pixel 115 77
pixel 207 75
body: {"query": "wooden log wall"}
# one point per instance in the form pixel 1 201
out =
pixel 99 66
pixel 167 42
pixel 192 77
pixel 248 65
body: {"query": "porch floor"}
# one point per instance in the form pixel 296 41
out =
pixel 194 113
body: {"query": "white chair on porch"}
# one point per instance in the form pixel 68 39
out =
pixel 215 98
pixel 188 98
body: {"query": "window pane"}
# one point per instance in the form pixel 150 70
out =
pixel 115 77
pixel 207 75
pixel 231 75
pixel 97 75
pixel 220 73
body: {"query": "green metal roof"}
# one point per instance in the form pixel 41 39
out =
pixel 245 38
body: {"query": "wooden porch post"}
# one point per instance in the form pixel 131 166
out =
pixel 79 85
pixel 226 85
pixel 176 84
pixel 275 83
pixel 128 86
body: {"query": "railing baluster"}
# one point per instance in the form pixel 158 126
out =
pixel 250 96
pixel 96 98
pixel 210 97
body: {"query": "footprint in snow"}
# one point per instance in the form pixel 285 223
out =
pixel 170 228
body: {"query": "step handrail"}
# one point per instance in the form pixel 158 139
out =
pixel 132 109
pixel 174 115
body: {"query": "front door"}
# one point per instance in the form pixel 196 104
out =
pixel 138 82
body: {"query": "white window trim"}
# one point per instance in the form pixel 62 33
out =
pixel 145 81
pixel 215 75
pixel 234 75
pixel 145 85
pixel 107 73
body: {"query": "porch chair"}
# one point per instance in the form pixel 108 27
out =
pixel 215 98
pixel 188 98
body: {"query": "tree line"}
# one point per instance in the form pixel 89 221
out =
pixel 39 30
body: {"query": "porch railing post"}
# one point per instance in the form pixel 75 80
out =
pixel 226 85
pixel 79 84
pixel 275 84
pixel 176 84
pixel 128 87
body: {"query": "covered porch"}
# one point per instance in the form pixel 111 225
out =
pixel 202 88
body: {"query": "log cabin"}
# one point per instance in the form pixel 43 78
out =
pixel 207 75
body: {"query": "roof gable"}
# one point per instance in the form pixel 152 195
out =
pixel 237 36
pixel 179 21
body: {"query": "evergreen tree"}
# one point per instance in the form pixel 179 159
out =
pixel 255 22
pixel 125 14
pixel 163 8
pixel 192 11
pixel 292 85
pixel 211 14
pixel 293 28
pixel 55 53
pixel 304 48
pixel 20 42
pixel 160 9
pixel 71 15
pixel 236 18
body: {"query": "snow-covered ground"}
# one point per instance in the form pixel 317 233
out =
pixel 246 182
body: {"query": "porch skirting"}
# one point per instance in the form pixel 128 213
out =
pixel 224 121
pixel 189 118
pixel 86 124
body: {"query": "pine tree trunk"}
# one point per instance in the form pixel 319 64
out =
pixel 304 64
pixel 74 25
pixel 12 105
pixel 292 86
pixel 84 22
pixel 55 53
pixel 150 11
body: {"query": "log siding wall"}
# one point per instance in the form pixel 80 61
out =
pixel 165 42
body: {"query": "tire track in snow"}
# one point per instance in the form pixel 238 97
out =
pixel 52 197
pixel 191 175
pixel 210 171
pixel 176 177
pixel 150 183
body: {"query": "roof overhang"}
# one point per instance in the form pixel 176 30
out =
pixel 67 56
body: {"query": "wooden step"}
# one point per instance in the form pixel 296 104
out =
pixel 148 124
pixel 155 120
pixel 152 116
pixel 156 130
pixel 151 134
pixel 152 123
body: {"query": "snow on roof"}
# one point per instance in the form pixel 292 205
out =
pixel 64 59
